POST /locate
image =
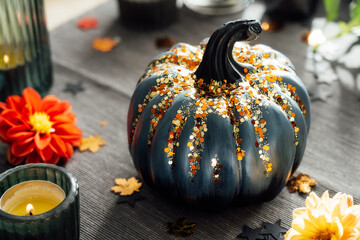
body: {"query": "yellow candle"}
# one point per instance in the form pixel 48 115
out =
pixel 31 198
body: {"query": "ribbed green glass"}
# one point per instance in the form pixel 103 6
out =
pixel 24 48
pixel 60 223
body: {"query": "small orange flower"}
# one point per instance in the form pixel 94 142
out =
pixel 38 130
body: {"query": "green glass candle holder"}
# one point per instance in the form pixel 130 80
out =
pixel 25 59
pixel 61 222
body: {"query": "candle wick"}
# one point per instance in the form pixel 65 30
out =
pixel 31 213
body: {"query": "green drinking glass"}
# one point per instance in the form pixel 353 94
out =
pixel 25 59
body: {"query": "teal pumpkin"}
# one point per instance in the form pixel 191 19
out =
pixel 221 122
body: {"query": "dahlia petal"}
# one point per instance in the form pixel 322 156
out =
pixel 42 140
pixel 13 159
pixel 64 118
pixel 54 159
pixel 19 133
pixel 20 150
pixel 33 158
pixel 68 131
pixel 46 153
pixel 14 102
pixel 48 102
pixel 32 98
pixel 11 118
pixel 69 150
pixel 60 108
pixel 58 145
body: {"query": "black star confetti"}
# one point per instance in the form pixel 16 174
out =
pixel 181 227
pixel 74 88
pixel 274 229
pixel 252 234
pixel 132 199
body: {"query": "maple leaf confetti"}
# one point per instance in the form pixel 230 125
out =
pixel 103 123
pixel 126 187
pixel 87 23
pixel 91 143
pixel 301 183
pixel 181 227
pixel 105 44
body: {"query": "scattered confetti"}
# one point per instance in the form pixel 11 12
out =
pixel 164 42
pixel 74 88
pixel 266 231
pixel 103 123
pixel 274 229
pixel 126 187
pixel 87 23
pixel 182 227
pixel 301 183
pixel 105 44
pixel 251 234
pixel 131 200
pixel 91 143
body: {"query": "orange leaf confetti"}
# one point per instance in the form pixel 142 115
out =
pixel 105 44
pixel 103 123
pixel 87 23
pixel 126 187
pixel 301 183
pixel 91 143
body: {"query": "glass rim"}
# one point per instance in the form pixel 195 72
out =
pixel 69 198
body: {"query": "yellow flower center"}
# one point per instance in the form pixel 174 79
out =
pixel 40 122
pixel 323 235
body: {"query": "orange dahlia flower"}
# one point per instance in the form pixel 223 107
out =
pixel 38 130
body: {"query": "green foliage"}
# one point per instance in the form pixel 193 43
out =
pixel 332 9
pixel 332 13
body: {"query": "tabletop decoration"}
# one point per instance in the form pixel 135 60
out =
pixel 38 130
pixel 302 183
pixel 221 123
pixel 105 44
pixel 275 230
pixel 131 199
pixel 266 231
pixel 182 227
pixel 164 42
pixel 25 59
pixel 87 23
pixel 251 234
pixel 91 143
pixel 74 88
pixel 126 187
pixel 103 123
pixel 39 201
pixel 326 218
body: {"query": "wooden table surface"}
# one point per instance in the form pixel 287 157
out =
pixel 332 155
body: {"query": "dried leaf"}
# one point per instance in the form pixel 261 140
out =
pixel 164 42
pixel 126 187
pixel 91 143
pixel 181 227
pixel 131 200
pixel 74 88
pixel 301 183
pixel 87 23
pixel 105 44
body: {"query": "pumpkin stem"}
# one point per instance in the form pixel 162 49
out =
pixel 218 63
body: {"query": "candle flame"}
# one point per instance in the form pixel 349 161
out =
pixel 6 59
pixel 30 209
pixel 316 37
pixel 265 26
